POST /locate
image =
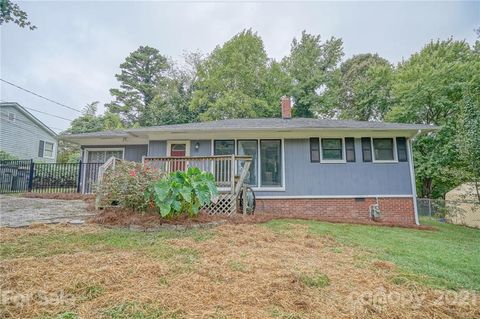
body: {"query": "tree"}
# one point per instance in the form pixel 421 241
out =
pixel 469 137
pixel 5 156
pixel 429 88
pixel 232 81
pixel 11 12
pixel 171 104
pixel 360 89
pixel 89 121
pixel 311 64
pixel 141 73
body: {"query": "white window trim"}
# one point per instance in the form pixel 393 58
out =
pixel 53 150
pixel 259 176
pixel 187 146
pixel 395 155
pixel 330 161
pixel 86 150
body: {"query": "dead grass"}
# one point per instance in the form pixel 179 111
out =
pixel 243 271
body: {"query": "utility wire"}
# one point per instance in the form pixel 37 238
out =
pixel 40 96
pixel 35 110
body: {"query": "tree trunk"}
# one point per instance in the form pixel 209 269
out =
pixel 427 187
pixel 477 187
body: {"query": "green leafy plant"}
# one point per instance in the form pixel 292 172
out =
pixel 126 184
pixel 183 192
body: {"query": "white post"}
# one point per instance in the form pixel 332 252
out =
pixel 412 179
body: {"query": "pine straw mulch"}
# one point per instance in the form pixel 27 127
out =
pixel 243 271
pixel 120 217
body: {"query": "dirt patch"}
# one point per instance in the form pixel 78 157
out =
pixel 244 271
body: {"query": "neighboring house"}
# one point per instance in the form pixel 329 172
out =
pixel 25 136
pixel 336 169
pixel 463 205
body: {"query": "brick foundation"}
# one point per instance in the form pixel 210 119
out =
pixel 395 210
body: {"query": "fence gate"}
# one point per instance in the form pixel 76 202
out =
pixel 19 176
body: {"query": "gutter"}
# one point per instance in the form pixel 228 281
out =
pixel 412 175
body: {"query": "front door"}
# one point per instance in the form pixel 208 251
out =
pixel 178 150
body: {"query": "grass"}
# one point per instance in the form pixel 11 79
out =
pixel 448 257
pixel 280 269
pixel 135 310
pixel 316 280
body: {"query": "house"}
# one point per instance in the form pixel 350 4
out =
pixel 337 169
pixel 25 136
pixel 463 205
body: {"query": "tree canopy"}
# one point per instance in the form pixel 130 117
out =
pixel 311 65
pixel 438 85
pixel 11 12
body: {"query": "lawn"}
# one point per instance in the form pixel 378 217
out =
pixel 280 269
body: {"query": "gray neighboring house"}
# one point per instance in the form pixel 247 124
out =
pixel 336 169
pixel 25 136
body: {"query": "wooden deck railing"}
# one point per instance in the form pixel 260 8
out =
pixel 223 167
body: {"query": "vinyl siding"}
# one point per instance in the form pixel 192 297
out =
pixel 303 178
pixel 22 138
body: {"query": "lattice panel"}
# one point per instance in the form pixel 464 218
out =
pixel 225 205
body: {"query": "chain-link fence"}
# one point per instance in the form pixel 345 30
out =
pixel 456 212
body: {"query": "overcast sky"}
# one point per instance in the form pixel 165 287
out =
pixel 73 55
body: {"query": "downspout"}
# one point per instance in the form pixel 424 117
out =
pixel 412 175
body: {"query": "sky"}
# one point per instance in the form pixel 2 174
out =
pixel 73 55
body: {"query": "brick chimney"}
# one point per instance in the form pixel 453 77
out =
pixel 286 107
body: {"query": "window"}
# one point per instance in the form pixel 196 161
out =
pixel 101 156
pixel 383 149
pixel 350 149
pixel 48 149
pixel 271 162
pixel 11 117
pixel 45 149
pixel 366 149
pixel 314 150
pixel 224 147
pixel 249 148
pixel 402 149
pixel 332 149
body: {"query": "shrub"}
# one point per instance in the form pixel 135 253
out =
pixel 126 184
pixel 183 192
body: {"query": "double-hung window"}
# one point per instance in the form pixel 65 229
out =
pixel 332 150
pixel 384 150
pixel 45 149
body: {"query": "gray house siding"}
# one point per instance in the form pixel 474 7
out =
pixel 22 137
pixel 204 148
pixel 157 148
pixel 303 178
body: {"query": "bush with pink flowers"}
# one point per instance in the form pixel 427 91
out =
pixel 126 184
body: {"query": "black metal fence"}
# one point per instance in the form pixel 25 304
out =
pixel 19 176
